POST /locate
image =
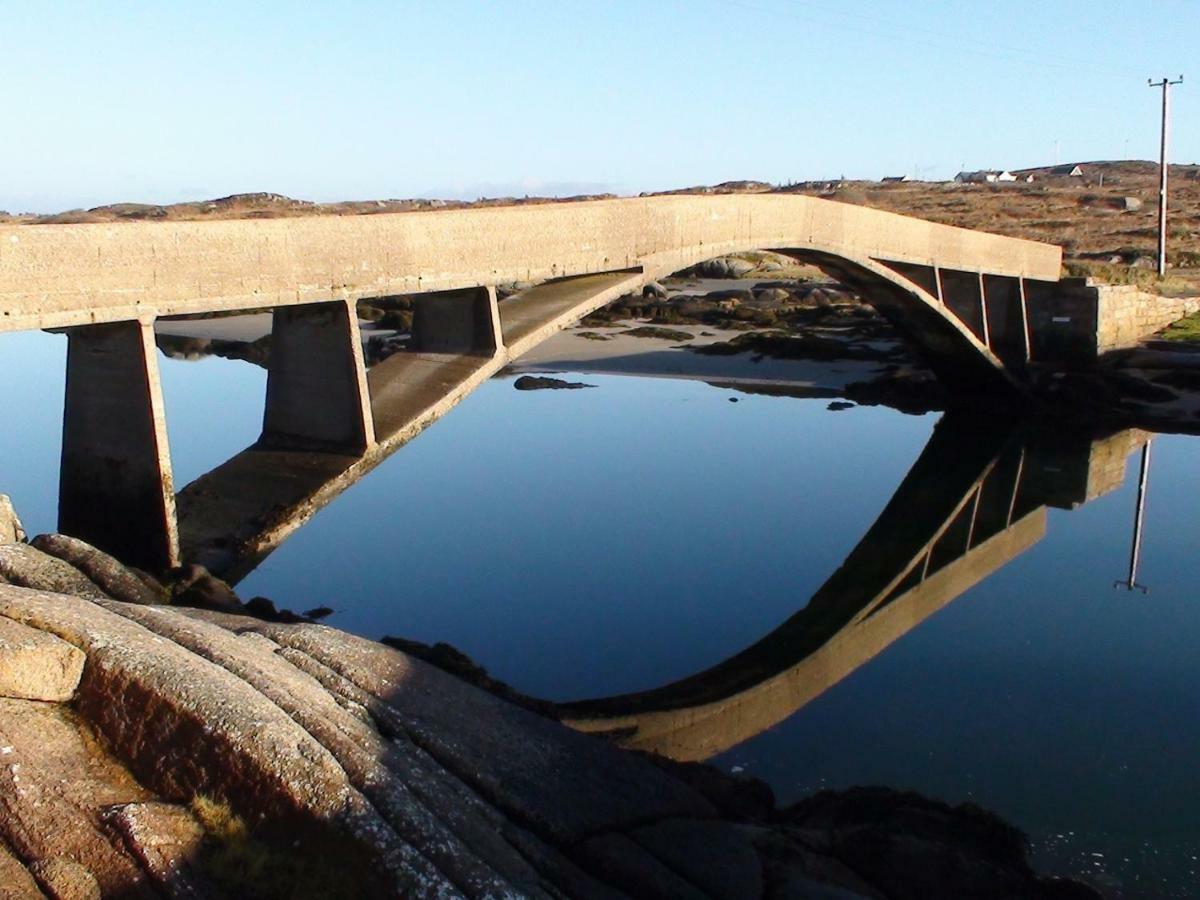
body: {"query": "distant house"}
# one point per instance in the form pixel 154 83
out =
pixel 984 176
pixel 1068 171
pixel 896 179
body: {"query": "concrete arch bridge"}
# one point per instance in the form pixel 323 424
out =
pixel 969 300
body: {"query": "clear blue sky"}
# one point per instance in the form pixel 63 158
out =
pixel 162 101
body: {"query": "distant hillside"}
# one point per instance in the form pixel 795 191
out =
pixel 1106 221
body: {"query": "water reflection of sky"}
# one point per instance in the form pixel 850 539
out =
pixel 582 543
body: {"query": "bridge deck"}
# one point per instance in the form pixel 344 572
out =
pixel 63 275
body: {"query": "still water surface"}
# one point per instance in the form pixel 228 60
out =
pixel 590 543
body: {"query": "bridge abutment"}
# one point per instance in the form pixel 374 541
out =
pixel 316 380
pixel 115 488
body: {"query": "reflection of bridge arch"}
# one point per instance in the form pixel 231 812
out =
pixel 958 294
pixel 970 504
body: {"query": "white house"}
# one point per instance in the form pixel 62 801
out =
pixel 984 176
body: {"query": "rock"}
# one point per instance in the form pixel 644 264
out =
pixel 166 840
pixel 655 291
pixel 194 585
pixel 116 579
pixel 724 267
pixel 532 762
pixel 35 665
pixel 909 846
pixel 736 797
pixel 15 881
pixel 713 855
pixel 839 405
pixel 629 866
pixel 368 760
pixel 539 383
pixel 65 879
pixel 54 780
pixel 773 295
pixel 11 530
pixel 186 726
pixel 1131 204
pixel 26 566
pixel 735 295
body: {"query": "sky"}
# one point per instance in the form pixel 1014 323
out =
pixel 359 99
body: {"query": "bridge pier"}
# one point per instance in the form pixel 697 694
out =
pixel 115 486
pixel 317 395
pixel 461 321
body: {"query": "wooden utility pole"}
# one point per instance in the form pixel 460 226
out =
pixel 1166 85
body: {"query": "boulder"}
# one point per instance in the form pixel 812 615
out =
pixel 10 526
pixel 1131 204
pixel 725 267
pixel 35 665
pixel 26 566
pixel 654 291
pixel 116 579
pixel 773 295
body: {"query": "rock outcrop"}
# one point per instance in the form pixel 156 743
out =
pixel 163 751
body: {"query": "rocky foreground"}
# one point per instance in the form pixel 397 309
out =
pixel 160 751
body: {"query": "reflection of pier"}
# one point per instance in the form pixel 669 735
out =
pixel 972 502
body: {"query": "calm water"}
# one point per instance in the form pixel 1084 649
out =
pixel 584 544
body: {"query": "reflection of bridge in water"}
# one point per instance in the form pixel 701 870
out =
pixel 973 501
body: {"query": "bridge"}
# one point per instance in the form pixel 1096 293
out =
pixel 968 300
pixel 974 500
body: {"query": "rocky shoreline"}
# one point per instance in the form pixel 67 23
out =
pixel 151 749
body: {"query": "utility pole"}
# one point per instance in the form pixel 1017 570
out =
pixel 1166 85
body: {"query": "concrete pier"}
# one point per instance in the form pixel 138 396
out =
pixel 464 321
pixel 316 380
pixel 115 488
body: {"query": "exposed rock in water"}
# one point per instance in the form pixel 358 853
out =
pixel 910 846
pixel 777 345
pixel 116 579
pixel 540 383
pixel 662 334
pixel 839 405
pixel 194 585
pixel 913 391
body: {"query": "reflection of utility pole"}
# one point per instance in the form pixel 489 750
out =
pixel 1165 84
pixel 1135 551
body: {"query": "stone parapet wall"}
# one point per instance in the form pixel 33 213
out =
pixel 1126 315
